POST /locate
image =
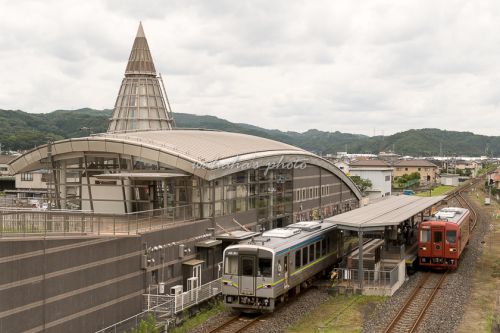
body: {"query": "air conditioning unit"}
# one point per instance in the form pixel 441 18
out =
pixel 176 290
pixel 192 283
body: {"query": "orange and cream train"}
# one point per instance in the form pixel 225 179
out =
pixel 443 237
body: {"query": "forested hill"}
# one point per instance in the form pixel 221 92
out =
pixel 21 130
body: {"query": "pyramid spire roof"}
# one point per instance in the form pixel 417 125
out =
pixel 140 60
pixel 142 103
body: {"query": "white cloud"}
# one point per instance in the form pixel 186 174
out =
pixel 352 66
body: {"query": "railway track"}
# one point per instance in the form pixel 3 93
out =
pixel 411 314
pixel 239 323
pixel 464 203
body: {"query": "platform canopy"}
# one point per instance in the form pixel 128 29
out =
pixel 387 212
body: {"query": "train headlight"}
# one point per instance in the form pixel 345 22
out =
pixel 453 249
pixel 267 286
pixel 423 248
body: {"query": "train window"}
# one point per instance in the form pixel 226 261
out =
pixel 323 246
pixel 318 250
pixel 451 236
pixel 311 253
pixel 425 236
pixel 438 236
pixel 247 266
pixel 231 265
pixel 304 256
pixel 297 259
pixel 265 267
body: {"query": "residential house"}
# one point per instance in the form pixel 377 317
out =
pixel 426 169
pixel 379 172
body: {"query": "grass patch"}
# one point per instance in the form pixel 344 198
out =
pixel 482 311
pixel 338 314
pixel 440 190
pixel 199 318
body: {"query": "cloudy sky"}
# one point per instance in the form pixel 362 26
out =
pixel 354 66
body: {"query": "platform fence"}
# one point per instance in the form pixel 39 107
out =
pixel 371 278
pixel 21 222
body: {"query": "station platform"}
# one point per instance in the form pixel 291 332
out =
pixel 387 243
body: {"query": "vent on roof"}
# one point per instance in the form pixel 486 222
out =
pixel 261 240
pixel 281 233
pixel 306 226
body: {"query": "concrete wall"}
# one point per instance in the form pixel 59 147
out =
pixel 102 193
pixel 36 183
pixel 83 284
pixel 68 285
pixel 329 193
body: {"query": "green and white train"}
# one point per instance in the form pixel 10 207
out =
pixel 261 272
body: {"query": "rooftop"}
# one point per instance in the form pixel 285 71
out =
pixel 369 163
pixel 391 211
pixel 414 163
pixel 142 103
pixel 208 146
pixel 5 159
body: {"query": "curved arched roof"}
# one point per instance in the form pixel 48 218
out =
pixel 207 154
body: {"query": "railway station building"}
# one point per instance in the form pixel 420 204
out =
pixel 136 210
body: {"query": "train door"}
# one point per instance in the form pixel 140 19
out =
pixel 285 263
pixel 247 275
pixel 437 242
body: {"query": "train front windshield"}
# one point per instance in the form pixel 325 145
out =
pixel 258 264
pixel 231 265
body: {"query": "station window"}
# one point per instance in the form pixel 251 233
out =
pixel 311 253
pixel 231 265
pixel 451 236
pixel 27 177
pixel 297 259
pixel 304 256
pixel 425 236
pixel 265 267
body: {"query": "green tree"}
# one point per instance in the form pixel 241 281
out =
pixel 146 326
pixel 362 184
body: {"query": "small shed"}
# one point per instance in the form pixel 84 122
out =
pixel 449 179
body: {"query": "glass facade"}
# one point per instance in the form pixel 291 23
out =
pixel 266 198
pixel 140 106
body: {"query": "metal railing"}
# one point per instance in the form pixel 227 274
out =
pixel 178 303
pixel 127 325
pixel 33 222
pixel 371 278
pixel 163 308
